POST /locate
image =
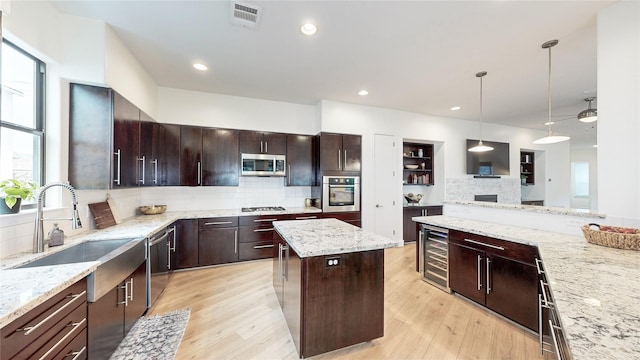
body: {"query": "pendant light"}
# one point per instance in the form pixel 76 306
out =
pixel 589 115
pixel 550 138
pixel 480 147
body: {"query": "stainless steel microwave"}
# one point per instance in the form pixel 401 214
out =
pixel 263 165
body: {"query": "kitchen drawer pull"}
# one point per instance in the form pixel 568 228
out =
pixel 76 354
pixel 155 170
pixel 235 235
pixel 117 180
pixel 28 330
pixel 306 217
pixel 263 230
pixel 126 294
pixel 553 336
pixel 141 181
pixel 131 294
pixel 264 220
pixel 488 276
pixel 64 338
pixel 479 272
pixel 483 244
pixel 263 246
pixel 539 267
pixel 218 223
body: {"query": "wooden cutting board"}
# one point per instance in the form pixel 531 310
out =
pixel 102 215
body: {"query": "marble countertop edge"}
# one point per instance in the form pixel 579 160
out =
pixel 530 208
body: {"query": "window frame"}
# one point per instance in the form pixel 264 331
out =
pixel 39 129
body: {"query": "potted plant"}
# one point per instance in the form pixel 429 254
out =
pixel 523 179
pixel 12 191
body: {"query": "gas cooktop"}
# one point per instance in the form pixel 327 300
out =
pixel 263 208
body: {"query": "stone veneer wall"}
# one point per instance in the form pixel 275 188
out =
pixel 464 189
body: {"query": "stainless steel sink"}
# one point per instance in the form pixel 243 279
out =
pixel 118 259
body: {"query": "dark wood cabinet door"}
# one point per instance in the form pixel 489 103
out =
pixel 513 290
pixel 190 155
pixel 408 225
pixel 169 166
pixel 275 143
pixel 352 152
pixel 220 159
pixel 90 132
pixel 250 142
pixel 218 246
pixel 278 284
pixel 351 217
pixel 466 272
pixel 300 164
pixel 151 151
pixel 331 152
pixel 137 297
pixel 292 294
pixel 105 324
pixel 186 255
pixel 126 142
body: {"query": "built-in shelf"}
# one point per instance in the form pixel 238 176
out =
pixel 420 155
pixel 527 168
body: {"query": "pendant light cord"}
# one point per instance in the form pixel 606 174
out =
pixel 481 117
pixel 549 89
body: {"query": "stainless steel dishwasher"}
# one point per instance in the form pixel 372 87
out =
pixel 434 256
pixel 158 264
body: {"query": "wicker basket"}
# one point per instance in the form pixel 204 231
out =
pixel 618 240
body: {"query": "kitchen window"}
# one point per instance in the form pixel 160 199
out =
pixel 22 127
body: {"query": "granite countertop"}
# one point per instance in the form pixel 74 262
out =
pixel 530 208
pixel 329 237
pixel 596 288
pixel 23 289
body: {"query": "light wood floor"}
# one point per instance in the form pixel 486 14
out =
pixel 235 315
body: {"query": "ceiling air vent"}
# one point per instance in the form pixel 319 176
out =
pixel 246 15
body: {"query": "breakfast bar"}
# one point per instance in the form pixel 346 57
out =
pixel 329 279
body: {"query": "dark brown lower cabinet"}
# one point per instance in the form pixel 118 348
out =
pixel 112 316
pixel 351 217
pixel 218 241
pixel 410 227
pixel 52 330
pixel 496 274
pixel 329 307
pixel 186 245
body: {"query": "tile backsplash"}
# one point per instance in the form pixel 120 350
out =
pixel 465 189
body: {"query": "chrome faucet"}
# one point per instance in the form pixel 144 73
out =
pixel 38 234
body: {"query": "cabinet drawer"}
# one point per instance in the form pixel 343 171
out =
pixel 350 216
pixel 256 250
pixel 305 216
pixel 508 249
pixel 46 321
pixel 76 349
pixel 264 220
pixel 218 222
pixel 256 233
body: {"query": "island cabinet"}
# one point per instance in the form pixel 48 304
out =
pixel 55 329
pixel 498 274
pixel 114 314
pixel 255 142
pixel 340 152
pixel 409 227
pixel 218 241
pixel 300 160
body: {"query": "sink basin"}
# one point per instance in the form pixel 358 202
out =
pixel 118 259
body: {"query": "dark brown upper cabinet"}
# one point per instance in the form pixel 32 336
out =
pixel 300 160
pixel 220 164
pixel 169 166
pixel 190 155
pixel 255 142
pixel 340 152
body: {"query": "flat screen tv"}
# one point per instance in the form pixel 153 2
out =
pixel 490 163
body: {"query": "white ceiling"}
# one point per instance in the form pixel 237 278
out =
pixel 417 56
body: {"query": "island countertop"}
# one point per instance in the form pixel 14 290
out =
pixel 596 288
pixel 329 237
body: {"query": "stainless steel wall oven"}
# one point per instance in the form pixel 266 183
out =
pixel 340 193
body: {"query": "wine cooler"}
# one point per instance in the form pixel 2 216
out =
pixel 434 243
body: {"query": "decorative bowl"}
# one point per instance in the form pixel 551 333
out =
pixel 152 209
pixel 411 167
pixel 413 198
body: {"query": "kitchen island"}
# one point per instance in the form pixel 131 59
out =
pixel 329 279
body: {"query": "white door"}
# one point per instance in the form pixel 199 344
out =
pixel 384 158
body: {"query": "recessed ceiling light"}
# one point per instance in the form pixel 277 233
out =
pixel 200 67
pixel 456 108
pixel 308 29
pixel 363 93
pixel 595 146
pixel 549 123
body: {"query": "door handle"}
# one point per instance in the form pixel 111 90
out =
pixel 378 206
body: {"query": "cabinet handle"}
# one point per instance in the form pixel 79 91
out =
pixel 117 179
pixel 53 349
pixel 29 329
pixel 539 267
pixel 483 244
pixel 235 235
pixel 289 174
pixel 141 181
pixel 306 217
pixel 131 294
pixel 199 173
pixel 345 158
pixel 126 294
pixel 155 170
pixel 552 329
pixel 479 272
pixel 263 246
pixel 266 146
pixel 544 293
pixel 339 160
pixel 173 229
pixel 488 276
pixel 280 261
pixel 263 230
pixel 264 220
pixel 261 147
pixel 218 223
pixel 76 354
pixel 286 262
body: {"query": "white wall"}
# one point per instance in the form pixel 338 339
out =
pixel 590 156
pixel 619 112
